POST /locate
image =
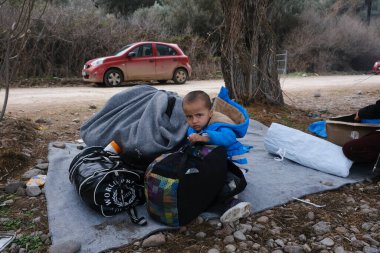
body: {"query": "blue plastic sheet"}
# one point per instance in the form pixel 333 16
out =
pixel 318 128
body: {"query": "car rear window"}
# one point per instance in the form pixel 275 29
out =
pixel 163 50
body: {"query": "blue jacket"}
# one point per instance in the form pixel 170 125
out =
pixel 228 122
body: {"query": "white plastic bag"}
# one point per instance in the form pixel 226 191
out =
pixel 306 150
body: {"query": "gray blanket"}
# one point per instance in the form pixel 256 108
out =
pixel 270 183
pixel 144 121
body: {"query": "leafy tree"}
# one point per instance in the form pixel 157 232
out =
pixel 122 7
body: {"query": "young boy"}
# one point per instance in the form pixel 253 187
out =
pixel 219 124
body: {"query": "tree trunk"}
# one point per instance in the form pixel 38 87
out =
pixel 369 10
pixel 249 53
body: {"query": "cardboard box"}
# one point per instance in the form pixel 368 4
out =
pixel 342 129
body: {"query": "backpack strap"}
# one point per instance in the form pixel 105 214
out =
pixel 132 212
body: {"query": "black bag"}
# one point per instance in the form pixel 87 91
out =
pixel 181 185
pixel 107 184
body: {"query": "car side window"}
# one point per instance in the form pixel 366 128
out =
pixel 163 50
pixel 143 51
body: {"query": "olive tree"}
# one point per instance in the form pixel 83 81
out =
pixel 248 53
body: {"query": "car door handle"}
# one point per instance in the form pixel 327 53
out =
pixel 151 60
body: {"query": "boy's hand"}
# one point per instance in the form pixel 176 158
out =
pixel 198 138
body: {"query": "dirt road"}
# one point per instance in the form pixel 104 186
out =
pixel 303 92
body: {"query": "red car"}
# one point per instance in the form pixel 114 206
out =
pixel 376 67
pixel 143 61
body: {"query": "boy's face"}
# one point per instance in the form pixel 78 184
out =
pixel 197 114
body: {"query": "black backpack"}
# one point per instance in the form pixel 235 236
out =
pixel 181 185
pixel 107 184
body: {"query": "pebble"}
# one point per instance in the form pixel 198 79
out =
pixel 20 191
pixel 293 249
pixel 65 247
pixel 243 245
pixel 371 241
pixel 201 235
pixel 322 228
pixel 36 220
pixel 367 226
pixel 317 94
pixel 76 120
pixel 310 215
pixel 280 242
pixel 59 145
pixel 358 243
pixel 154 240
pixel 302 238
pixel 228 239
pixel 277 251
pixel 368 249
pixel 199 220
pixel 13 186
pixel 341 230
pixel 339 249
pixel 213 250
pixel 244 228
pixel 263 219
pixel 92 107
pixel 327 242
pixel 42 166
pixel 31 173
pixel 238 235
pixel 256 246
pixel 306 248
pixel 230 248
pixel 33 191
pixel 22 250
pixel 215 224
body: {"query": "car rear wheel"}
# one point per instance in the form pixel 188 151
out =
pixel 113 78
pixel 180 76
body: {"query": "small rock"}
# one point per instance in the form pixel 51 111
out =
pixel 238 235
pixel 22 250
pixel 302 238
pixel 42 166
pixel 59 145
pixel 359 92
pixel 350 200
pixel 42 121
pixel 256 246
pixel 277 251
pixel 230 248
pixel 280 243
pixel 339 249
pixel 244 228
pixel 370 240
pixel 65 247
pixel 154 240
pixel 354 229
pixel 20 191
pixel 358 243
pixel 199 220
pixel 263 250
pixel 293 249
pixel 243 245
pixel 33 191
pixel 322 228
pixel 327 242
pixel 226 230
pixel 263 219
pixel 213 250
pixel 317 94
pixel 80 147
pixel 201 235
pixel 44 237
pixel 92 107
pixel 341 230
pixel 31 173
pixel 368 249
pixel 36 220
pixel 228 239
pixel 13 186
pixel 367 226
pixel 306 248
pixel 76 120
pixel 215 224
pixel 310 215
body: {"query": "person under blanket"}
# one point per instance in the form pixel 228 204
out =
pixel 210 124
pixel 367 148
